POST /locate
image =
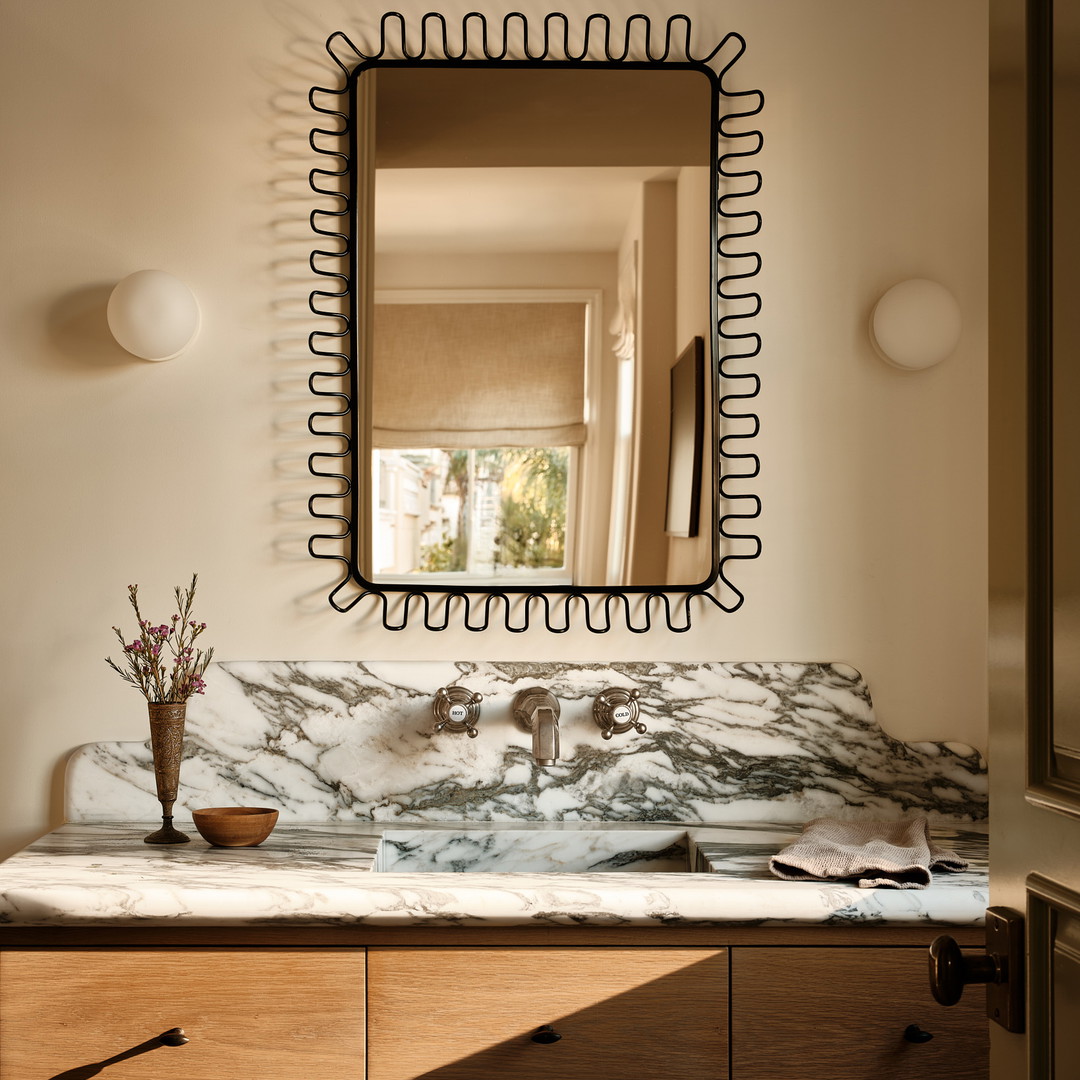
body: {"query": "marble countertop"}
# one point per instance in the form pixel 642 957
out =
pixel 86 874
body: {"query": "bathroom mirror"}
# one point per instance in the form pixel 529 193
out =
pixel 532 245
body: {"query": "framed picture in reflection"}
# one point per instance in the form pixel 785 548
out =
pixel 685 440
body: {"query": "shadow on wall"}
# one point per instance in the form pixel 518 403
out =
pixel 289 119
pixel 79 330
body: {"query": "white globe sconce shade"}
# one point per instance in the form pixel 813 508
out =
pixel 915 325
pixel 153 315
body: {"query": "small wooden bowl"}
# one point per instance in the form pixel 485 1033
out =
pixel 235 826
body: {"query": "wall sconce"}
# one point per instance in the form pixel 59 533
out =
pixel 915 325
pixel 153 315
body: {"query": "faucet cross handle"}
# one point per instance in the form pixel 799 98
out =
pixel 616 711
pixel 457 709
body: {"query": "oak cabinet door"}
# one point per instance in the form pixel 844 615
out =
pixel 468 1014
pixel 842 1013
pixel 248 1014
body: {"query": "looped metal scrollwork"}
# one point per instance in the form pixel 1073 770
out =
pixel 556 38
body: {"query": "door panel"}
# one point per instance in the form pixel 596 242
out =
pixel 1054 937
pixel 1054 600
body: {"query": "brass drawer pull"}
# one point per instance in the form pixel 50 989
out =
pixel 915 1034
pixel 173 1037
pixel 545 1034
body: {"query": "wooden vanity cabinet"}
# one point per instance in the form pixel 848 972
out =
pixel 248 1014
pixel 678 1003
pixel 560 1013
pixel 841 1013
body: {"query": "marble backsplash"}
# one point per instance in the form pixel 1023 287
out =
pixel 342 741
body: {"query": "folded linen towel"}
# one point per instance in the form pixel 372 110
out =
pixel 881 854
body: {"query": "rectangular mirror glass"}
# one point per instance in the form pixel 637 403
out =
pixel 535 249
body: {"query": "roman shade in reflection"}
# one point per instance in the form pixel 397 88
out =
pixel 456 376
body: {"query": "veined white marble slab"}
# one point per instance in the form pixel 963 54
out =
pixel 341 741
pixel 99 875
pixel 538 850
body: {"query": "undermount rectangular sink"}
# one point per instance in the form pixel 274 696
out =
pixel 499 851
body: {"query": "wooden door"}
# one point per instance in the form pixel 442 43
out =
pixel 1035 696
pixel 848 1014
pixel 248 1014
pixel 466 1014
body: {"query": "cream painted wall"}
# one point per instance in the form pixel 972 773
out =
pixel 150 134
pixel 655 230
pixel 690 559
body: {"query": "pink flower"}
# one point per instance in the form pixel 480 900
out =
pixel 146 668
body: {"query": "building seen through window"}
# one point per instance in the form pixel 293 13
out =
pixel 487 510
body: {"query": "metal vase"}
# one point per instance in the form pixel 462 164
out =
pixel 167 742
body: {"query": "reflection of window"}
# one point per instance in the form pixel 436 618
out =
pixel 491 511
pixel 484 374
pixel 493 392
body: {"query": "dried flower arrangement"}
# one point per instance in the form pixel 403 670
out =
pixel 162 662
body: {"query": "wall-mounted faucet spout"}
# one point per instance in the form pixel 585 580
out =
pixel 537 710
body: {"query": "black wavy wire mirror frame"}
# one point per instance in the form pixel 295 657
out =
pixel 733 506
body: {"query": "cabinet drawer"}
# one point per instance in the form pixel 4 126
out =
pixel 462 1014
pixel 250 1014
pixel 840 1014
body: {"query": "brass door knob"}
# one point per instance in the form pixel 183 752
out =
pixel 1001 968
pixel 951 970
